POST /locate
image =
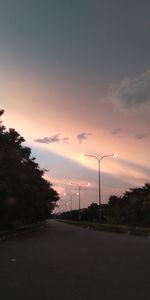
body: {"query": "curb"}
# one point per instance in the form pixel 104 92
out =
pixel 22 230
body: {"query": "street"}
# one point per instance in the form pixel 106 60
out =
pixel 71 263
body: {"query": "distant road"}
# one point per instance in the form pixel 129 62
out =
pixel 65 262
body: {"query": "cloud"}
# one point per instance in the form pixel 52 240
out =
pixel 141 171
pixel 116 131
pixel 140 136
pixel 132 91
pixel 48 140
pixel 52 139
pixel 82 136
pixel 65 140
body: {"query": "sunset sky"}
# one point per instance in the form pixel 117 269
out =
pixel 74 78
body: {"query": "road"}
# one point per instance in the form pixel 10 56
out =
pixel 71 263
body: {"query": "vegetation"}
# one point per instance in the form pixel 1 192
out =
pixel 133 208
pixel 86 214
pixel 25 196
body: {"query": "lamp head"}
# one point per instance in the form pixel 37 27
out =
pixel 82 155
pixel 115 155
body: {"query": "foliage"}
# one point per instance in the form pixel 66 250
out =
pixel 86 214
pixel 132 208
pixel 93 212
pixel 25 196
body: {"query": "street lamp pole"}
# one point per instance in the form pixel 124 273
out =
pixel 79 191
pixel 71 201
pixel 70 196
pixel 99 188
pixel 64 205
pixel 79 198
pixel 99 178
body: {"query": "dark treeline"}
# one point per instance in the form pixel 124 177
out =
pixel 86 214
pixel 25 196
pixel 133 208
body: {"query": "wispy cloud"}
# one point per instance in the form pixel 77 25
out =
pixel 132 91
pixel 141 136
pixel 116 131
pixel 56 138
pixel 137 170
pixel 82 137
pixel 65 140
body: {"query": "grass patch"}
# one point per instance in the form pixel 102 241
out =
pixel 139 231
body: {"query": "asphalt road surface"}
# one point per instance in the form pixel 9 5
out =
pixel 70 263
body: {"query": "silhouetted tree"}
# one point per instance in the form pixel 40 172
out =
pixel 133 207
pixel 93 212
pixel 25 196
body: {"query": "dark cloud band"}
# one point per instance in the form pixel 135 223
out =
pixel 82 137
pixel 133 91
pixel 52 139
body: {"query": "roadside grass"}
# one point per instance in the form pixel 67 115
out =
pixel 131 230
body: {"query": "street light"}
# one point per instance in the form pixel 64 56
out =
pixel 64 205
pixel 79 190
pixel 70 196
pixel 70 199
pixel 99 175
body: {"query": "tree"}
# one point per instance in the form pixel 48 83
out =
pixel 93 212
pixel 25 196
pixel 133 207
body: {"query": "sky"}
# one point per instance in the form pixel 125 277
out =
pixel 75 78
